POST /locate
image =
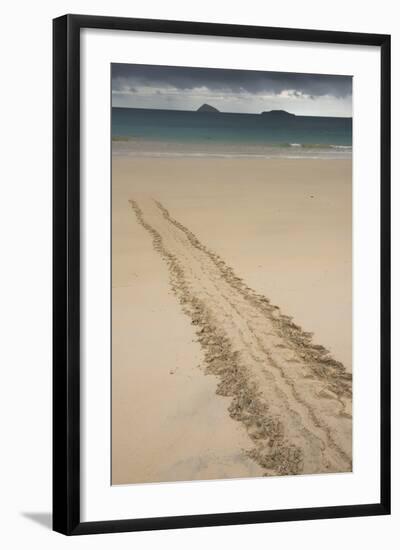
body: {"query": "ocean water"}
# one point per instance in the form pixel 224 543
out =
pixel 167 133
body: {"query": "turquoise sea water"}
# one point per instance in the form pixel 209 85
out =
pixel 151 132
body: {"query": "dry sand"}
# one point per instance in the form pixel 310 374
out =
pixel 277 403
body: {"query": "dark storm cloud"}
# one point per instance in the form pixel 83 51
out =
pixel 126 77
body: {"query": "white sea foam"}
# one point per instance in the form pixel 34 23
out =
pixel 158 149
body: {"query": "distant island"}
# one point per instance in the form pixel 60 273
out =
pixel 206 108
pixel 277 114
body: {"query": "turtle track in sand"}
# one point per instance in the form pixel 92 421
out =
pixel 293 398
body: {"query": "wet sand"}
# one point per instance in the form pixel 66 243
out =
pixel 276 402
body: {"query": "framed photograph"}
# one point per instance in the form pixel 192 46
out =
pixel 221 274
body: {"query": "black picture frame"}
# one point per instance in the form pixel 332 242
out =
pixel 66 273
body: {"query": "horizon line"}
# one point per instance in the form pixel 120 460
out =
pixel 225 112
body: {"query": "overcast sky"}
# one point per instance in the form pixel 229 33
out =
pixel 186 88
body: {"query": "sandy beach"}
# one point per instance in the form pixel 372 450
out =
pixel 231 318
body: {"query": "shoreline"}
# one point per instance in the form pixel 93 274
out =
pixel 131 147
